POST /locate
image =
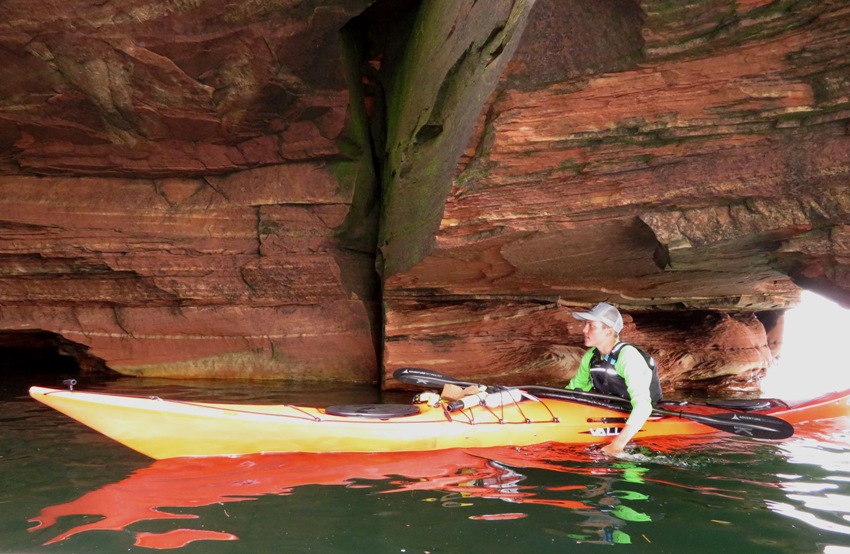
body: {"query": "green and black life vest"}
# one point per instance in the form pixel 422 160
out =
pixel 606 380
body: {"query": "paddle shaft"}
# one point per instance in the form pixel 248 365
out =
pixel 749 425
pixel 768 427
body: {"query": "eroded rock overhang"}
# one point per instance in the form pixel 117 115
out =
pixel 322 190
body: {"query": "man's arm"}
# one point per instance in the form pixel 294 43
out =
pixel 581 380
pixel 638 376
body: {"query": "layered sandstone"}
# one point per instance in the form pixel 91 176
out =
pixel 696 161
pixel 333 189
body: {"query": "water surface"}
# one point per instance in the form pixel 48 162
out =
pixel 67 489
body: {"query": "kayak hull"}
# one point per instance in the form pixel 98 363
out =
pixel 162 429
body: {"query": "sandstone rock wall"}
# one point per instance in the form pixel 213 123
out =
pixel 231 276
pixel 332 189
pixel 666 158
pixel 188 188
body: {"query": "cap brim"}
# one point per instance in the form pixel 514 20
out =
pixel 585 316
pixel 590 317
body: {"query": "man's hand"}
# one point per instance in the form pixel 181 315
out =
pixel 614 447
pixel 610 450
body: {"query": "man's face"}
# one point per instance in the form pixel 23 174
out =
pixel 596 333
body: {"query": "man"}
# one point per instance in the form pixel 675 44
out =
pixel 615 368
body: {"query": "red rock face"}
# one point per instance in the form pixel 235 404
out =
pixel 323 190
pixel 658 158
pixel 190 277
pixel 146 89
pixel 183 193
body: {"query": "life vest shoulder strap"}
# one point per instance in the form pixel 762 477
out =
pixel 615 353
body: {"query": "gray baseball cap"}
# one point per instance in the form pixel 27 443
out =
pixel 604 313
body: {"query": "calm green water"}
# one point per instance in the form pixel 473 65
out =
pixel 66 489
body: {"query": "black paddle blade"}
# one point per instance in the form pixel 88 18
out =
pixel 755 426
pixel 426 378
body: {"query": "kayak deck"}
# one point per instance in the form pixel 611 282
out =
pixel 171 428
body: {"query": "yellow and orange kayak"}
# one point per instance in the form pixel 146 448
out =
pixel 162 428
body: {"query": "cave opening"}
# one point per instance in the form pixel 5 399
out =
pixel 810 363
pixel 29 357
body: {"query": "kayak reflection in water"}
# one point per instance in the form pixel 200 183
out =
pixel 616 368
pixel 173 490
